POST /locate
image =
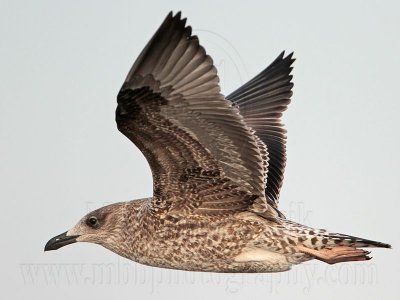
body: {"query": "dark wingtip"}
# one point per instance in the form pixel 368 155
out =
pixel 178 15
pixel 283 60
pixel 177 18
pixel 290 56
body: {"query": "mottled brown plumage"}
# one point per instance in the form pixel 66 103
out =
pixel 217 166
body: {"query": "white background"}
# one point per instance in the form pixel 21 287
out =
pixel 61 66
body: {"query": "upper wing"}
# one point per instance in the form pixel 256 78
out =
pixel 170 106
pixel 261 102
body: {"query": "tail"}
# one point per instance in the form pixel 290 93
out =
pixel 353 241
pixel 321 238
pixel 331 247
pixel 334 248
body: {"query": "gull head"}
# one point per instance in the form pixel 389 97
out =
pixel 103 226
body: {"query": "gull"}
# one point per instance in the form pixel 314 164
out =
pixel 217 165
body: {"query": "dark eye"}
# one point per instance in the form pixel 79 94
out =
pixel 92 221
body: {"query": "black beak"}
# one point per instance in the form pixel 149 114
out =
pixel 60 241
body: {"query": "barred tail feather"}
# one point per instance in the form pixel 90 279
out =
pixel 353 241
pixel 320 238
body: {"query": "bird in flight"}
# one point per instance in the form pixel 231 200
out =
pixel 217 164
